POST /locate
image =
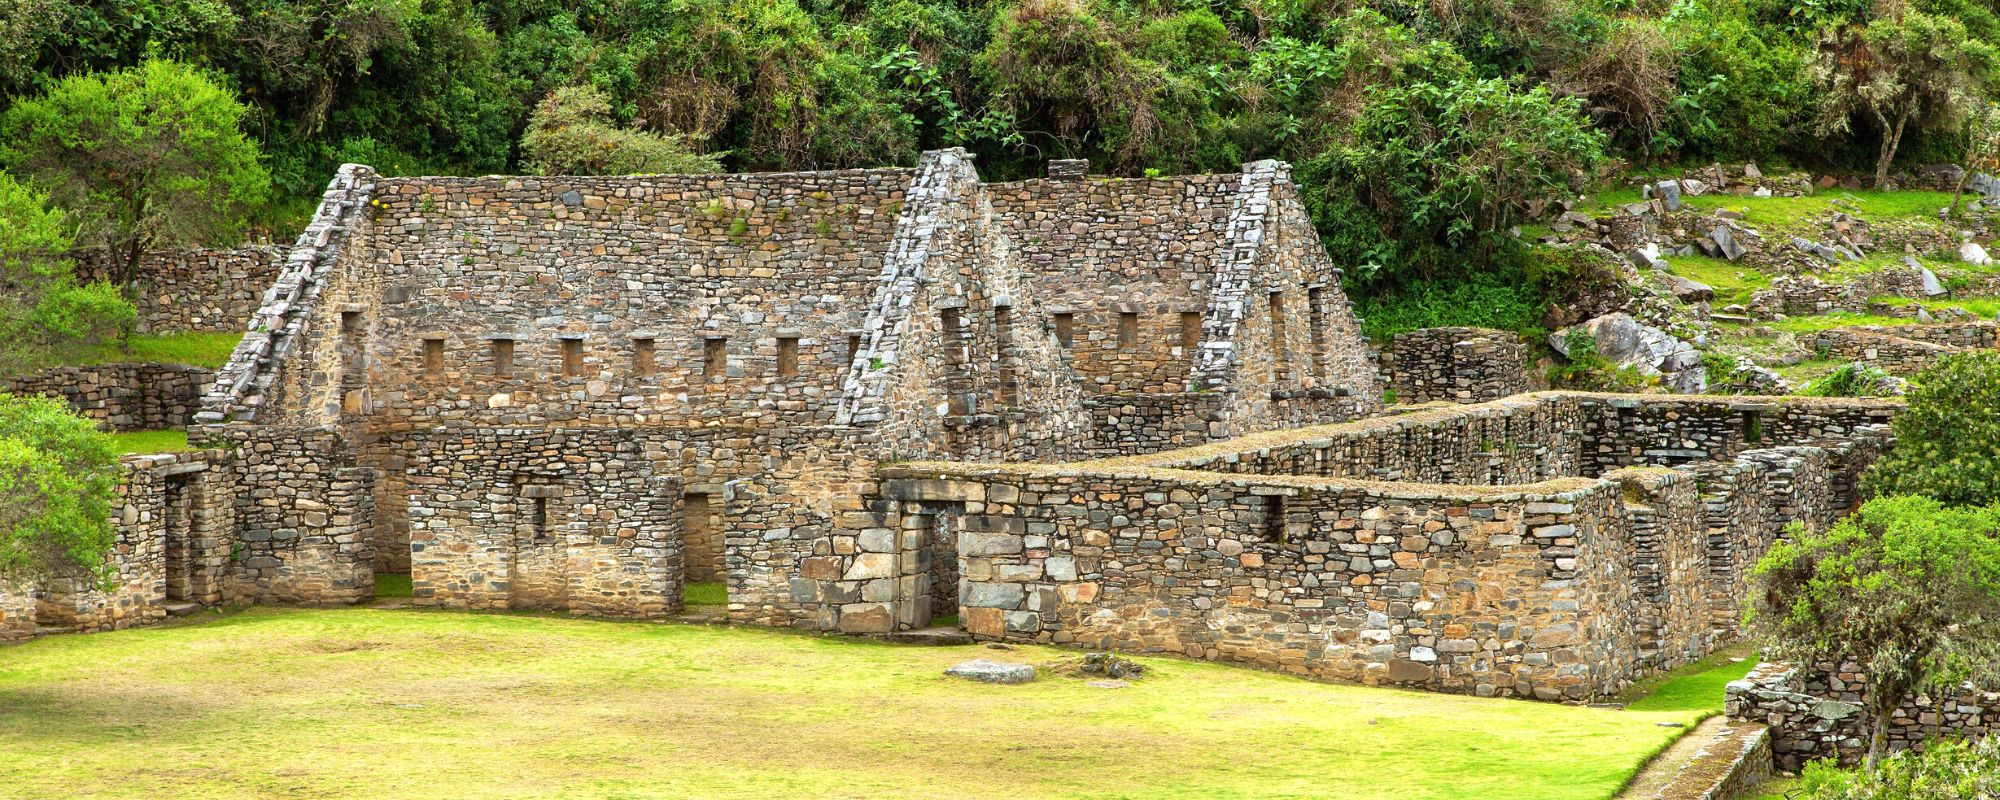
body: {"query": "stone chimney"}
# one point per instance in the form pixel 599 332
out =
pixel 1068 169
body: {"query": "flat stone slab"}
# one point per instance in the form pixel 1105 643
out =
pixel 989 671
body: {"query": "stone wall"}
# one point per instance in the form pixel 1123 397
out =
pixel 1732 764
pixel 1906 349
pixel 125 396
pixel 172 520
pixel 1817 713
pixel 1459 365
pixel 200 289
pixel 17 613
pixel 572 520
pixel 1561 571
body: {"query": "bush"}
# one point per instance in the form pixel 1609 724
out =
pixel 1948 439
pixel 572 133
pixel 1945 770
pixel 58 478
pixel 42 307
pixel 1850 380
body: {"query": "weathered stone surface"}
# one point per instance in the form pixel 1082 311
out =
pixel 989 671
pixel 1624 341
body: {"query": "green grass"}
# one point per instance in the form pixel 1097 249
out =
pixel 393 584
pixel 151 441
pixel 1696 687
pixel 194 349
pixel 1732 282
pixel 705 593
pixel 1982 307
pixel 1789 213
pixel 367 703
pixel 1837 319
pixel 1775 789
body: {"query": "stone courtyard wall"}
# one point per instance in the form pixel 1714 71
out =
pixel 173 523
pixel 1817 713
pixel 200 289
pixel 1532 574
pixel 1458 365
pixel 124 396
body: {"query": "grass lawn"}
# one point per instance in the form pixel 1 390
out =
pixel 151 441
pixel 705 593
pixel 196 349
pixel 368 703
pixel 1696 687
pixel 1732 282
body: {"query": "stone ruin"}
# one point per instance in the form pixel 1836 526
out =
pixel 1127 413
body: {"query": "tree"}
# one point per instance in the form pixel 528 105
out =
pixel 58 479
pixel 1902 69
pixel 1948 438
pixel 572 133
pixel 1441 165
pixel 1982 149
pixel 42 307
pixel 152 156
pixel 1907 587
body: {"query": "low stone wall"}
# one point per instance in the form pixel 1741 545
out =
pixel 1147 423
pixel 1817 713
pixel 1731 765
pixel 126 396
pixel 172 545
pixel 1460 365
pixel 1882 348
pixel 199 289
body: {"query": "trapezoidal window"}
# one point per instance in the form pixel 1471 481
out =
pixel 714 359
pixel 1280 353
pixel 1128 329
pixel 572 357
pixel 954 335
pixel 1003 330
pixel 1190 332
pixel 788 356
pixel 1065 329
pixel 503 357
pixel 433 357
pixel 642 356
pixel 1316 323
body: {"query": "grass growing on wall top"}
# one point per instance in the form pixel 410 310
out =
pixel 366 703
pixel 151 441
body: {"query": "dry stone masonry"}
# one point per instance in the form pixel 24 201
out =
pixel 1816 713
pixel 1458 365
pixel 197 290
pixel 133 396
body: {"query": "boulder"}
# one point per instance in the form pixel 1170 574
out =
pixel 990 671
pixel 1752 173
pixel 1932 286
pixel 1972 253
pixel 1984 184
pixel 1825 251
pixel 1688 290
pixel 1725 242
pixel 1668 191
pixel 1647 257
pixel 1625 342
pixel 1694 188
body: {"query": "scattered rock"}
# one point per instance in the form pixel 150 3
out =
pixel 1729 213
pixel 1625 342
pixel 988 671
pixel 1687 290
pixel 1647 257
pixel 1972 253
pixel 1106 684
pixel 1110 666
pixel 1752 173
pixel 1669 193
pixel 1932 286
pixel 1725 242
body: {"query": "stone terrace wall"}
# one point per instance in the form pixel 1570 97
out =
pixel 200 289
pixel 1881 348
pixel 123 397
pixel 1459 365
pixel 1817 713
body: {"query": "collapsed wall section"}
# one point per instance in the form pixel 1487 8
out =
pixel 1817 713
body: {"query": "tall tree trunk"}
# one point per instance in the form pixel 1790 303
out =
pixel 1891 139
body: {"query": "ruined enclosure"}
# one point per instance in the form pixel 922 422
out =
pixel 1554 545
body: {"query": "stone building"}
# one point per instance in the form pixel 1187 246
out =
pixel 577 393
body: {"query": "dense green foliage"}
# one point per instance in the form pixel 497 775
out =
pixel 1945 770
pixel 145 157
pixel 1948 440
pixel 58 477
pixel 1419 130
pixel 572 133
pixel 1907 587
pixel 44 309
pixel 1850 380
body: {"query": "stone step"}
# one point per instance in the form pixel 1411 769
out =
pixel 183 609
pixel 935 636
pixel 1733 319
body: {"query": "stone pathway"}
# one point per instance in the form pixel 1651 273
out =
pixel 1661 770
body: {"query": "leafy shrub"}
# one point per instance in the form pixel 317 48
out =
pixel 58 478
pixel 42 307
pixel 1906 587
pixel 1948 439
pixel 1507 306
pixel 1945 770
pixel 572 133
pixel 1585 369
pixel 1850 380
